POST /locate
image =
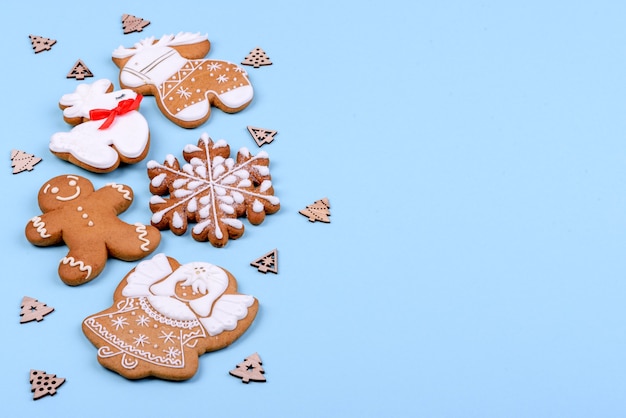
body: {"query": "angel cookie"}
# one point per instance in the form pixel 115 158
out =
pixel 184 84
pixel 86 220
pixel 108 128
pixel 165 315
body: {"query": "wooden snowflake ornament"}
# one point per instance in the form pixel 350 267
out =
pixel 22 161
pixel 132 23
pixel 79 71
pixel 262 136
pixel 318 211
pixel 267 262
pixel 33 310
pixel 42 383
pixel 250 369
pixel 213 190
pixel 40 43
pixel 256 58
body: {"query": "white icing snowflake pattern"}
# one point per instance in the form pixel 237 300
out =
pixel 167 338
pixel 183 92
pixel 212 190
pixel 222 79
pixel 214 66
pixel 142 340
pixel 143 321
pixel 172 352
pixel 119 322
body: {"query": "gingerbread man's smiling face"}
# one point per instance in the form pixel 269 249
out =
pixel 62 189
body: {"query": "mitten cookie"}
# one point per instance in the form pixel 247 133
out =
pixel 108 130
pixel 86 220
pixel 185 85
pixel 165 315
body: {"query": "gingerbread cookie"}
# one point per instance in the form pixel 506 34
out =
pixel 212 190
pixel 184 84
pixel 86 220
pixel 165 315
pixel 109 129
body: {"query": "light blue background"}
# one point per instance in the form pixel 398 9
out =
pixel 474 156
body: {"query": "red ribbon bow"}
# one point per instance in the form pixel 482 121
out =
pixel 123 106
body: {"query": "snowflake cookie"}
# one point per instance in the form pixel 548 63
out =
pixel 212 190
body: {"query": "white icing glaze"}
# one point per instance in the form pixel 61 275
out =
pixel 265 185
pixel 257 206
pixel 120 188
pixel 155 280
pixel 142 233
pixel 76 263
pixel 128 134
pixel 40 226
pixel 235 223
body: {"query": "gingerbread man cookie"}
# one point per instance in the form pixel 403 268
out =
pixel 165 315
pixel 86 220
pixel 185 85
pixel 108 128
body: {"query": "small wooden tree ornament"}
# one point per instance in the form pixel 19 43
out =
pixel 40 43
pixel 42 383
pixel 79 71
pixel 250 369
pixel 261 135
pixel 318 211
pixel 256 58
pixel 267 262
pixel 132 23
pixel 33 310
pixel 21 161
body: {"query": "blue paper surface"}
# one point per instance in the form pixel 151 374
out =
pixel 473 155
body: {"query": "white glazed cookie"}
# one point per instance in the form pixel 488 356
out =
pixel 109 128
pixel 164 315
pixel 184 84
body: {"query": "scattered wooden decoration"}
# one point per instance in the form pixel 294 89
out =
pixel 318 211
pixel 42 383
pixel 132 23
pixel 250 369
pixel 33 310
pixel 21 161
pixel 262 136
pixel 79 71
pixel 257 57
pixel 267 262
pixel 40 43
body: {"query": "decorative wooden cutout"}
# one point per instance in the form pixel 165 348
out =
pixel 21 161
pixel 79 71
pixel 250 369
pixel 132 23
pixel 33 310
pixel 262 136
pixel 257 57
pixel 40 43
pixel 268 262
pixel 318 211
pixel 42 384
